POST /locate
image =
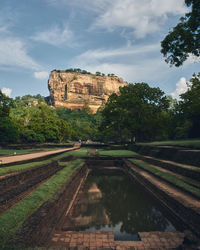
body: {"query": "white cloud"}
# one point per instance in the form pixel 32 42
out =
pixel 133 63
pixel 99 54
pixel 6 91
pixel 41 75
pixel 86 5
pixel 13 54
pixel 56 36
pixel 141 16
pixel 181 87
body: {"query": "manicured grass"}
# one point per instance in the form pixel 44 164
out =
pixel 25 166
pixel 168 177
pixel 25 151
pixel 183 143
pixel 117 152
pixel 12 219
pixel 81 152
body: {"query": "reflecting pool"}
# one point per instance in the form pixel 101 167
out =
pixel 114 202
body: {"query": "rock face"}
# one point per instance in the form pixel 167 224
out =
pixel 73 90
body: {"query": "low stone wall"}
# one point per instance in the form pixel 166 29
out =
pixel 36 230
pixel 189 217
pixel 23 176
pixel 177 154
pixel 16 185
pixel 40 226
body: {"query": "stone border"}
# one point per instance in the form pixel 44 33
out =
pixel 188 215
pixel 42 228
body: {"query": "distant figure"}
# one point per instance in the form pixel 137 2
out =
pixel 79 141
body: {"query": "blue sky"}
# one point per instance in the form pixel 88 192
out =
pixel 111 36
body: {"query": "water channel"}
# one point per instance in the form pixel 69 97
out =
pixel 114 202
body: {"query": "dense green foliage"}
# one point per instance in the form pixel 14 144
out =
pixel 138 112
pixel 28 119
pixel 190 107
pixel 39 122
pixel 82 71
pixel 8 129
pixel 84 124
pixel 146 114
pixel 185 37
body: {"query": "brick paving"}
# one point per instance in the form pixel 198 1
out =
pixel 105 240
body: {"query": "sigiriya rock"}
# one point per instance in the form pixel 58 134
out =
pixel 73 89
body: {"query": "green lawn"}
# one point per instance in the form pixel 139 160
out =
pixel 12 219
pixel 119 153
pixel 81 152
pixel 25 151
pixel 183 143
pixel 168 177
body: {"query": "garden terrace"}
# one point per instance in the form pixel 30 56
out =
pixel 44 216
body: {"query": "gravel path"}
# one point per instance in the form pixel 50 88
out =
pixel 18 158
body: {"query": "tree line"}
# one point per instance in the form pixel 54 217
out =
pixel 138 113
pixel 82 71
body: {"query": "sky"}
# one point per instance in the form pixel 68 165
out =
pixel 111 36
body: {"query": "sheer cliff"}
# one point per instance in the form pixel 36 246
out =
pixel 73 90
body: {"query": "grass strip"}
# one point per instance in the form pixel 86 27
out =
pixel 168 177
pixel 82 152
pixel 25 151
pixel 183 143
pixel 12 219
pixel 25 166
pixel 116 152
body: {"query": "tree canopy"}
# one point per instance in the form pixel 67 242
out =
pixel 184 39
pixel 135 113
pixel 8 129
pixel 190 106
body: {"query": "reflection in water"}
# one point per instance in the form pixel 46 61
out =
pixel 115 203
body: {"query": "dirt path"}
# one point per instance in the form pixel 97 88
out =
pixel 18 158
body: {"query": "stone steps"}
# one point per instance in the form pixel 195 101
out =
pixel 189 171
pixel 183 205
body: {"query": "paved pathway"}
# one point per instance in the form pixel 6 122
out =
pixel 105 240
pixel 18 158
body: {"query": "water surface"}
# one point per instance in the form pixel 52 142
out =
pixel 115 203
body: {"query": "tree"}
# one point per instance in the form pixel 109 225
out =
pixel 98 73
pixel 8 130
pixel 5 104
pixel 184 39
pixel 136 112
pixel 190 107
pixel 65 130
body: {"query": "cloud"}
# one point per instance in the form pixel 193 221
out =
pixel 56 36
pixel 41 75
pixel 181 87
pixel 14 54
pixel 85 5
pixel 133 63
pixel 6 91
pixel 141 16
pixel 102 54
